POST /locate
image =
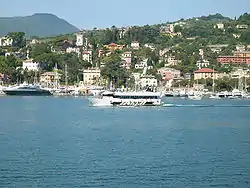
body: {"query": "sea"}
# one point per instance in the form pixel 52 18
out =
pixel 65 142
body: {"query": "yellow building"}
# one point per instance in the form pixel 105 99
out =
pixel 91 76
pixel 113 47
pixel 50 78
pixel 242 54
pixel 205 73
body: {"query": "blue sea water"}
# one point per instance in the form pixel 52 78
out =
pixel 64 142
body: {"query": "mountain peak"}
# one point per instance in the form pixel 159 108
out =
pixel 38 24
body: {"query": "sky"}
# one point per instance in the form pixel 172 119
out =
pixel 87 14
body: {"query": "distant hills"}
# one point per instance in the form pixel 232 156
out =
pixel 40 24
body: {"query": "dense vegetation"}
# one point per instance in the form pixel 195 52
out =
pixel 197 33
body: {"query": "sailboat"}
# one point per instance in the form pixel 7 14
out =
pixel 214 96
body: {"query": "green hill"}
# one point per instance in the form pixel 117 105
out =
pixel 42 25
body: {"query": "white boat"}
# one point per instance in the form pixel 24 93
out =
pixel 195 97
pixel 95 90
pixel 213 96
pixel 143 98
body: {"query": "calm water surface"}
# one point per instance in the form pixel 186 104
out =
pixel 63 142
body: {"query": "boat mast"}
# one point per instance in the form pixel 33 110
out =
pixel 213 80
pixel 66 74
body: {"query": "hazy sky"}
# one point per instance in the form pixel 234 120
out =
pixel 105 13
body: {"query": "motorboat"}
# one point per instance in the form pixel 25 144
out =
pixel 142 98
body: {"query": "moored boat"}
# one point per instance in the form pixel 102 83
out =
pixel 27 90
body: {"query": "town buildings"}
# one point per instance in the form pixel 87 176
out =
pixel 30 65
pixel 135 45
pixel 6 41
pixel 206 73
pixel 91 76
pixel 239 57
pixel 114 46
pixel 50 79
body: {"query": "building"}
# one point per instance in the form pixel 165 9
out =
pixel 148 81
pixel 79 39
pixel 217 47
pixel 236 35
pixel 242 26
pixel 171 61
pixel 239 73
pixel 239 57
pixel 73 50
pixel 240 48
pixel 50 79
pixel 87 56
pixel 202 63
pixel 233 60
pixel 163 52
pixel 169 28
pixel 205 73
pixel 127 59
pixel 150 46
pixel 219 26
pixel 141 65
pixel 169 73
pixel 6 41
pixel 91 76
pixel 135 45
pixel 242 54
pixel 113 47
pixel 30 65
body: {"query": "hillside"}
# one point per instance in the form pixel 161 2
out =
pixel 42 25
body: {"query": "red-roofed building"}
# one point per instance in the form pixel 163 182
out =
pixel 233 60
pixel 113 46
pixel 205 73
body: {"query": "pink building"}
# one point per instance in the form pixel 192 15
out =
pixel 169 73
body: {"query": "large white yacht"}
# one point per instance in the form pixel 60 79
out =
pixel 26 90
pixel 143 98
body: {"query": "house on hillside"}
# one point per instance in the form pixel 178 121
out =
pixel 91 76
pixel 206 73
pixel 30 65
pixel 135 45
pixel 6 41
pixel 114 46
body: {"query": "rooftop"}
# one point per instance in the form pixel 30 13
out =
pixel 205 70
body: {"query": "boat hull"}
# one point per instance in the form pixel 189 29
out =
pixel 28 93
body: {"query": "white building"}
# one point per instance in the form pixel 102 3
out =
pixel 87 56
pixel 79 39
pixel 150 46
pixel 30 65
pixel 243 26
pixel 91 76
pixel 6 41
pixel 219 26
pixel 147 81
pixel 202 63
pixel 141 65
pixel 135 45
pixel 127 59
pixel 73 50
pixel 172 61
pixel 240 48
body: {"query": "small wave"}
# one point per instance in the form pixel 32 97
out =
pixel 204 105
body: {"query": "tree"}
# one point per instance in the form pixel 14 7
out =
pixel 18 39
pixel 113 71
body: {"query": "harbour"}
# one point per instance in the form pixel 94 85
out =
pixel 64 142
